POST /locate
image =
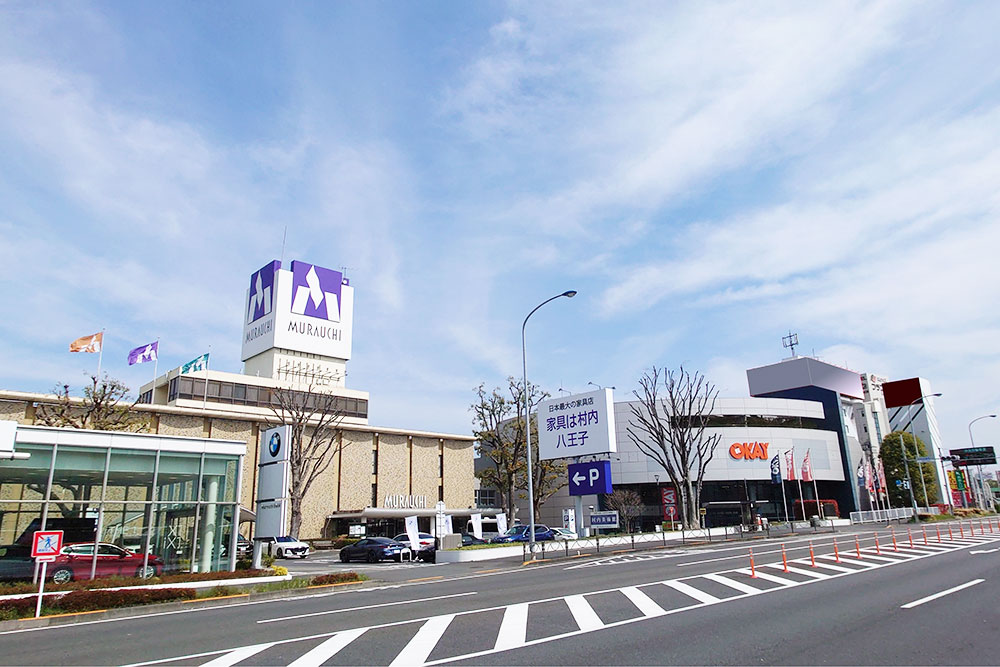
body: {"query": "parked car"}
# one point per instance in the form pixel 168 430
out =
pixel 469 540
pixel 287 546
pixel 563 534
pixel 489 526
pixel 244 547
pixel 16 563
pixel 75 561
pixel 427 549
pixel 373 550
pixel 520 533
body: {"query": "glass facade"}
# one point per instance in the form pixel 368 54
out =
pixel 192 388
pixel 172 511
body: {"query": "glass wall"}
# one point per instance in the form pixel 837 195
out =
pixel 125 512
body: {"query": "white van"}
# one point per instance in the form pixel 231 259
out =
pixel 489 528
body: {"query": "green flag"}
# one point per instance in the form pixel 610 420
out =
pixel 198 364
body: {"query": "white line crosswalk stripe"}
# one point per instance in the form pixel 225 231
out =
pixel 427 637
pixel 732 583
pixel 239 655
pixel 643 602
pixel 513 628
pixel 769 577
pixel 805 572
pixel 584 615
pixel 691 591
pixel 320 654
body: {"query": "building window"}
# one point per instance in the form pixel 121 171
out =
pixel 441 466
pixel 486 498
pixel 441 492
pixel 374 495
pixel 375 461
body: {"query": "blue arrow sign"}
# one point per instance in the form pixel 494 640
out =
pixel 589 478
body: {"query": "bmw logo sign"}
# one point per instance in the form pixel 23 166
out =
pixel 274 446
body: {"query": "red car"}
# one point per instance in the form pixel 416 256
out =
pixel 76 560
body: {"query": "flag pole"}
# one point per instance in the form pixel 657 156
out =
pixel 784 502
pixel 798 480
pixel 819 505
pixel 208 358
pixel 156 363
pixel 100 356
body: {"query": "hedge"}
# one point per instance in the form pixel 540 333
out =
pixel 336 578
pixel 76 601
pixel 15 588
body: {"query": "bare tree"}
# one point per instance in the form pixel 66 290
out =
pixel 103 407
pixel 627 503
pixel 549 475
pixel 315 418
pixel 672 430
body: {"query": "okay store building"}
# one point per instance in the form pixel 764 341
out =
pixel 297 337
pixel 800 406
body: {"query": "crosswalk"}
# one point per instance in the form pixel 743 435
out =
pixel 447 637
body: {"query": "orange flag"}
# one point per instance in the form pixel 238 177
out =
pixel 91 343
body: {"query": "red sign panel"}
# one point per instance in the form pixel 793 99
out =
pixel 45 544
pixel 669 497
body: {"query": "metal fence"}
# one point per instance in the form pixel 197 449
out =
pixel 881 516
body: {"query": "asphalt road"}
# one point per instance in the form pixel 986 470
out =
pixel 691 606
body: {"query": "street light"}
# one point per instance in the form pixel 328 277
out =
pixel 974 444
pixel 913 432
pixel 569 294
pixel 600 387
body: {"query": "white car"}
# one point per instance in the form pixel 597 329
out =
pixel 287 546
pixel 426 541
pixel 563 534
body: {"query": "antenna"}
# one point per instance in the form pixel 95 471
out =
pixel 283 235
pixel 790 341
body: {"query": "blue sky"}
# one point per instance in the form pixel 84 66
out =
pixel 708 176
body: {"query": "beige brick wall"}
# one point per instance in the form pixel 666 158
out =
pixel 356 471
pixel 393 466
pixel 192 427
pixel 425 469
pixel 232 429
pixel 320 502
pixel 13 411
pixel 458 474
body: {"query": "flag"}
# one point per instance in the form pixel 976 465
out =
pixel 197 364
pixel 776 470
pixel 91 343
pixel 807 469
pixel 790 465
pixel 881 475
pixel 869 477
pixel 143 353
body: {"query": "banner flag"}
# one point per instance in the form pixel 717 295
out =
pixel 502 522
pixel 198 364
pixel 881 475
pixel 790 464
pixel 91 343
pixel 807 471
pixel 477 524
pixel 776 470
pixel 143 353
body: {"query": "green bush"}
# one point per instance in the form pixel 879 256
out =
pixel 82 600
pixel 15 588
pixel 342 542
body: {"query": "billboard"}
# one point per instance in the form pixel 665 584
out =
pixel 577 425
pixel 272 490
pixel 974 456
pixel 305 308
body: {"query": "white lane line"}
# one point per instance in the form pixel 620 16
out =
pixel 240 654
pixel 851 560
pixel 513 628
pixel 830 566
pixel 427 637
pixel 732 583
pixel 881 558
pixel 917 603
pixel 584 615
pixel 369 606
pixel 691 591
pixel 643 602
pixel 769 577
pixel 320 654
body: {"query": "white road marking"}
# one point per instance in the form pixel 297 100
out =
pixel 732 583
pixel 805 572
pixel 821 562
pixel 513 628
pixel 584 615
pixel 427 637
pixel 643 602
pixel 367 606
pixel 881 558
pixel 239 655
pixel 983 551
pixel 320 654
pixel 854 560
pixel 691 591
pixel 917 603
pixel 770 577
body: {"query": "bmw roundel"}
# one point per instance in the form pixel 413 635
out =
pixel 274 445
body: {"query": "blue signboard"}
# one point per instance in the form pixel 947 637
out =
pixel 589 478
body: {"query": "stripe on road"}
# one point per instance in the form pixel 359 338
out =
pixel 917 603
pixel 584 615
pixel 732 583
pixel 368 606
pixel 240 654
pixel 320 654
pixel 769 577
pixel 691 591
pixel 513 627
pixel 427 637
pixel 643 602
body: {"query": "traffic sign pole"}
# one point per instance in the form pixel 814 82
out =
pixel 41 590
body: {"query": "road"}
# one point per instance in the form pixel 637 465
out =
pixel 926 604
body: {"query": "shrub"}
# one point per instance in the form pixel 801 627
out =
pixel 219 592
pixel 279 571
pixel 244 564
pixel 266 561
pixel 342 542
pixel 336 578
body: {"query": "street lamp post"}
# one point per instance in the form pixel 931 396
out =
pixel 916 451
pixel 973 443
pixel 569 294
pixel 909 482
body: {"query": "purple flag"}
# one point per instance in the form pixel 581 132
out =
pixel 143 353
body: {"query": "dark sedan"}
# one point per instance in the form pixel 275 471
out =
pixel 16 563
pixel 373 550
pixel 520 533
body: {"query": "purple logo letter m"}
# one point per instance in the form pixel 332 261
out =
pixel 262 292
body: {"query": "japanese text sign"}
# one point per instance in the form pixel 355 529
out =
pixel 577 425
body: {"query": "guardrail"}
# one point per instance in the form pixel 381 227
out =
pixel 881 516
pixel 633 541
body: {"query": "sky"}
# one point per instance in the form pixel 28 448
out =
pixel 708 176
